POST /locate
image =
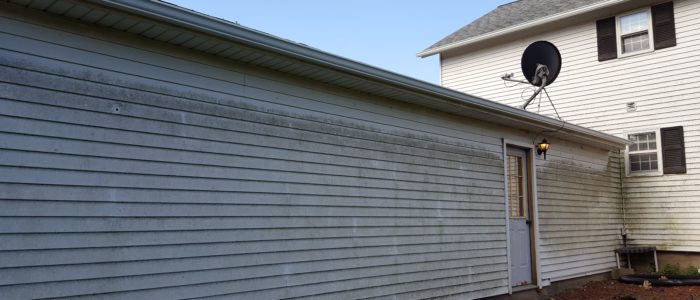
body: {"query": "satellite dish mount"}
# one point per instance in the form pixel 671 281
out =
pixel 541 74
pixel 540 64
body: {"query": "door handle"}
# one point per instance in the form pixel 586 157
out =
pixel 528 222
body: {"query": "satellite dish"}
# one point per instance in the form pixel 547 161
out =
pixel 540 63
pixel 540 53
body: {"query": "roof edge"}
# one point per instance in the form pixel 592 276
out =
pixel 220 28
pixel 518 27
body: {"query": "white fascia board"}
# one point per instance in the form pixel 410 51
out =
pixel 175 15
pixel 519 27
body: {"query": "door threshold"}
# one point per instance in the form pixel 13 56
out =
pixel 521 288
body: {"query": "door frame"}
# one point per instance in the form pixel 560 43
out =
pixel 534 215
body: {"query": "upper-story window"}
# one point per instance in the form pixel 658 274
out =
pixel 633 31
pixel 640 31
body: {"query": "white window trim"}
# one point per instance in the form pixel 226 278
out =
pixel 659 157
pixel 619 38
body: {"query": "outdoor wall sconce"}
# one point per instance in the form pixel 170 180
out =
pixel 542 148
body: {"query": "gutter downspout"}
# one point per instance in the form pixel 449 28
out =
pixel 623 197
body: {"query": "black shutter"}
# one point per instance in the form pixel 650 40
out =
pixel 607 46
pixel 673 150
pixel 664 26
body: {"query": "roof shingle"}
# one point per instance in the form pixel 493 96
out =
pixel 507 15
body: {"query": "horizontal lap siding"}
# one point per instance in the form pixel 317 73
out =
pixel 128 173
pixel 579 210
pixel 660 210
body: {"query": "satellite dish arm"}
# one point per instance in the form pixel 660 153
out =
pixel 544 82
pixel 541 74
pixel 509 77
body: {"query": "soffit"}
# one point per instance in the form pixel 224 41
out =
pixel 171 24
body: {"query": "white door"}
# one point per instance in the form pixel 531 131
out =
pixel 519 216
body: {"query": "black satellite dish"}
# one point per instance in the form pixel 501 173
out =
pixel 540 63
pixel 540 53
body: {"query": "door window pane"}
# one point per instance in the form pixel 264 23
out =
pixel 516 185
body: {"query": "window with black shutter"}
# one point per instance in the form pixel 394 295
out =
pixel 635 32
pixel 673 150
pixel 656 152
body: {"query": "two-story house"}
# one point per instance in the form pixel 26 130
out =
pixel 629 68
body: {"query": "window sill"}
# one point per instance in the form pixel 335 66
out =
pixel 645 174
pixel 635 53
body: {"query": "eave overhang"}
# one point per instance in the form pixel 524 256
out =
pixel 301 60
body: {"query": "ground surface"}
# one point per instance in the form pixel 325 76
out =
pixel 613 290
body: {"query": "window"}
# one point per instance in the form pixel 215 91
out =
pixel 633 32
pixel 648 29
pixel 656 152
pixel 643 155
pixel 516 186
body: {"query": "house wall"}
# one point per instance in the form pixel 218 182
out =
pixel 580 213
pixel 133 169
pixel 659 210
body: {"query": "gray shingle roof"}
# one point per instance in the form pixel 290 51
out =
pixel 511 14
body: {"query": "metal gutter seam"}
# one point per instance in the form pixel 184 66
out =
pixel 217 27
pixel 516 28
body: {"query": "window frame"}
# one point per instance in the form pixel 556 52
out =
pixel 618 31
pixel 659 154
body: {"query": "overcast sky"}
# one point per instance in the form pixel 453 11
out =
pixel 382 33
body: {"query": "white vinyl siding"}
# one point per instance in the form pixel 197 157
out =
pixel 660 210
pixel 579 209
pixel 132 169
pixel 147 174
